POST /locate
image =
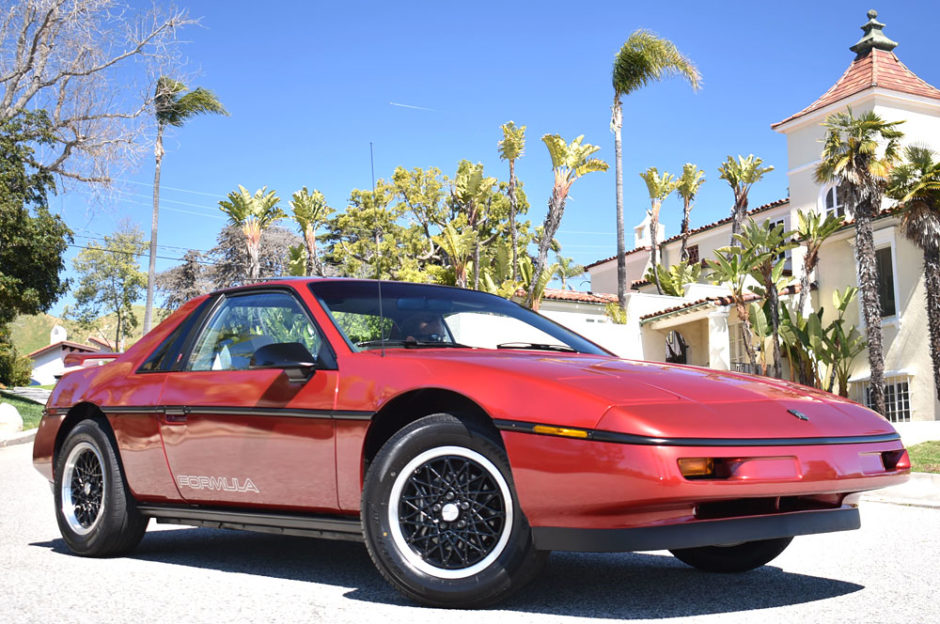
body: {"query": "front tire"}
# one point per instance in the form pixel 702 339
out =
pixel 96 513
pixel 737 558
pixel 441 519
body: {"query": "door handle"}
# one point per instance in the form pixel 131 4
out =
pixel 175 414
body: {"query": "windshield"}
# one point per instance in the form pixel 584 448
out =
pixel 423 316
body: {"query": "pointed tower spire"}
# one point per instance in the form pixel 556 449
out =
pixel 873 37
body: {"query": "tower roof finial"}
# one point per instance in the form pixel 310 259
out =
pixel 873 37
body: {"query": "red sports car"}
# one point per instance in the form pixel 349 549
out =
pixel 461 436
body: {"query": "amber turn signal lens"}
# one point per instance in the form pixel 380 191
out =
pixel 560 431
pixel 697 466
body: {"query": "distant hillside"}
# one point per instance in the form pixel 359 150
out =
pixel 32 332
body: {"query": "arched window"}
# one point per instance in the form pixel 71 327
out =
pixel 834 201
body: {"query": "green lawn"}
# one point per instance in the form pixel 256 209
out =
pixel 925 457
pixel 29 411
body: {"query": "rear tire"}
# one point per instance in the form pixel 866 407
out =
pixel 96 513
pixel 441 519
pixel 738 558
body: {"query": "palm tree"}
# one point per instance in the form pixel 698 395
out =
pixel 472 193
pixel 566 268
pixel 642 59
pixel 731 267
pixel 916 186
pixel 741 174
pixel 510 148
pixel 687 186
pixel 569 162
pixel 812 232
pixel 765 244
pixel 310 212
pixel 852 158
pixel 172 107
pixel 659 188
pixel 253 214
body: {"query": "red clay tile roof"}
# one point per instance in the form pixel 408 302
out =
pixel 879 68
pixel 578 297
pixel 759 209
pixel 716 301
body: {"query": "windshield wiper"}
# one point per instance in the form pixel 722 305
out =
pixel 411 343
pixel 536 346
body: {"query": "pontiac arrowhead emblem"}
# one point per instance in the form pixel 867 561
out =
pixel 798 414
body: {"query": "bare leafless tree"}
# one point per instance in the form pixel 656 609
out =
pixel 89 64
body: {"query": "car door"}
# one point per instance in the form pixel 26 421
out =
pixel 236 435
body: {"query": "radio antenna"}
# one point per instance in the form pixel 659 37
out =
pixel 378 271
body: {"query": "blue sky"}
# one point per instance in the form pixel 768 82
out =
pixel 310 84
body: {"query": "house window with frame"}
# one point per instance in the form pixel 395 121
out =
pixel 786 256
pixel 692 252
pixel 897 398
pixel 885 270
pixel 740 362
pixel 835 201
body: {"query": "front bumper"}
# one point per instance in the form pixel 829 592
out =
pixel 723 532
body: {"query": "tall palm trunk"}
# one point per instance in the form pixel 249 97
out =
pixel 152 268
pixel 686 210
pixel 556 208
pixel 617 123
pixel 512 218
pixel 740 213
pixel 313 262
pixel 774 299
pixel 871 304
pixel 654 244
pixel 932 283
pixel 745 319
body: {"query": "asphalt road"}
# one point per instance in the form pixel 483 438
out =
pixel 889 571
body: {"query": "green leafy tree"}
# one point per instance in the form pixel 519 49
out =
pixel 858 153
pixel 916 186
pixel 253 214
pixel 229 262
pixel 32 240
pixel 173 106
pixel 566 268
pixel 512 147
pixel 843 344
pixel 472 193
pixel 765 246
pixel 110 280
pixel 732 267
pixel 659 188
pixel 420 193
pixel 184 282
pixel 687 187
pixel 674 278
pixel 803 339
pixel 812 231
pixel 310 212
pixel 741 175
pixel 570 161
pixel 643 58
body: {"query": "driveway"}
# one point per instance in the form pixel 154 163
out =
pixel 885 572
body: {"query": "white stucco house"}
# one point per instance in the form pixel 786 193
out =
pixel 704 321
pixel 49 361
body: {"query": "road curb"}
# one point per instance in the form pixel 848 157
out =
pixel 21 437
pixel 921 490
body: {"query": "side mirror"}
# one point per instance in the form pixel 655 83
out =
pixel 294 358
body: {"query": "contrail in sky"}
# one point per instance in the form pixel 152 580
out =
pixel 425 108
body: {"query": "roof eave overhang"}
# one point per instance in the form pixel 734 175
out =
pixel 871 93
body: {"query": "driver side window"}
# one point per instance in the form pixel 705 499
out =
pixel 243 324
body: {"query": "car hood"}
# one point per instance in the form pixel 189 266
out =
pixel 667 400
